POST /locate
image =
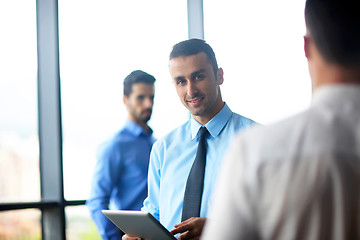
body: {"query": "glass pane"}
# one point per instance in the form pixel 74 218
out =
pixel 259 44
pixel 101 42
pixel 79 225
pixel 19 147
pixel 20 225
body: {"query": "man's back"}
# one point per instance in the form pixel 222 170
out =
pixel 298 179
pixel 303 184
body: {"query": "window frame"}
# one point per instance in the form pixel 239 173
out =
pixel 53 203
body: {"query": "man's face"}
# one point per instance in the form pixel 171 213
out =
pixel 140 102
pixel 197 86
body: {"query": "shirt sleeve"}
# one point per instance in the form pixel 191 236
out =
pixel 106 169
pixel 151 203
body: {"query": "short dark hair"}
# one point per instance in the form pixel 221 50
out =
pixel 334 26
pixel 137 76
pixel 194 46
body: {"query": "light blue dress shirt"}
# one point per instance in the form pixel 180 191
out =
pixel 120 176
pixel 172 157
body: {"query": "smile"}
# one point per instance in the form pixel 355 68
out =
pixel 195 100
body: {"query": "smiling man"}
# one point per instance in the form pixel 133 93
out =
pixel 122 163
pixel 197 79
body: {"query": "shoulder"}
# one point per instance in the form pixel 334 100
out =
pixel 174 136
pixel 262 147
pixel 275 139
pixel 241 120
pixel 116 142
pixel 237 122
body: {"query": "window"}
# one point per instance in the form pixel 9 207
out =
pixel 259 44
pixel 19 157
pixel 100 44
pixel 79 224
pixel 20 224
pixel 97 51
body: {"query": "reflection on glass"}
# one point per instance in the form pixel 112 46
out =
pixel 100 44
pixel 79 225
pixel 20 224
pixel 19 147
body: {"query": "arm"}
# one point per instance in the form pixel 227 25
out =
pixel 151 202
pixel 102 185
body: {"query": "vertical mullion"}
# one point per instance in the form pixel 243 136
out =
pixel 195 19
pixel 50 139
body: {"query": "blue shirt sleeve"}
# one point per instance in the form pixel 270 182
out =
pixel 104 178
pixel 151 203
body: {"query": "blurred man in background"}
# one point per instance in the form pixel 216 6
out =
pixel 120 178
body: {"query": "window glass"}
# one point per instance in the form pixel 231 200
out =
pixel 19 147
pixel 259 44
pixel 79 225
pixel 101 42
pixel 20 224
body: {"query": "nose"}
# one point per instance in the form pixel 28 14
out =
pixel 191 89
pixel 148 102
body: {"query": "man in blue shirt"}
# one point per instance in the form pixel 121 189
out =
pixel 120 177
pixel 197 79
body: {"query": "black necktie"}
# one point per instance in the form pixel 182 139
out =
pixel 195 181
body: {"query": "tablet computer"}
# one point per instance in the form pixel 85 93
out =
pixel 139 223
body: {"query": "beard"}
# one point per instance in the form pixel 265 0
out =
pixel 144 116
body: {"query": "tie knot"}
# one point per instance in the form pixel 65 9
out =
pixel 203 132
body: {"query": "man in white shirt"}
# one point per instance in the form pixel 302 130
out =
pixel 299 178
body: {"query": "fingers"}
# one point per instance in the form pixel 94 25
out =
pixel 182 227
pixel 188 236
pixel 193 233
pixel 127 237
pixel 184 222
pixel 189 229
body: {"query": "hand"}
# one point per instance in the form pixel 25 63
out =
pixel 190 229
pixel 128 237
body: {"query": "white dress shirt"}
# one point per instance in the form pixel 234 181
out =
pixel 296 179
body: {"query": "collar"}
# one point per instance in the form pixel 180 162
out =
pixel 215 125
pixel 136 129
pixel 337 94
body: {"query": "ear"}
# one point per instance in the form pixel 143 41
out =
pixel 307 42
pixel 220 76
pixel 125 100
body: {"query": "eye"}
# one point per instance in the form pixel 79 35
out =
pixel 140 97
pixel 199 77
pixel 180 82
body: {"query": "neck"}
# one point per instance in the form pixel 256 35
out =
pixel 145 127
pixel 206 118
pixel 142 124
pixel 335 74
